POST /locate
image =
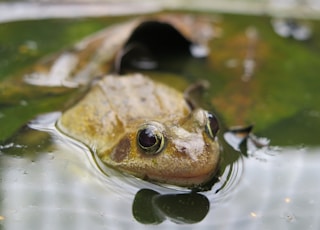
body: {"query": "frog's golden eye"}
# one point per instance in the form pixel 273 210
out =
pixel 212 125
pixel 150 139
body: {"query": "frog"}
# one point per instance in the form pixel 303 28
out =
pixel 146 129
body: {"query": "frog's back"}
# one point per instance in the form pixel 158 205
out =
pixel 116 104
pixel 139 98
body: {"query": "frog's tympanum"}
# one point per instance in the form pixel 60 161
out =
pixel 146 129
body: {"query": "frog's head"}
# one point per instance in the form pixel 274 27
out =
pixel 183 152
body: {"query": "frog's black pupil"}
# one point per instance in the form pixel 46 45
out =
pixel 147 138
pixel 213 123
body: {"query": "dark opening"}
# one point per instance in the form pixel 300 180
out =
pixel 150 46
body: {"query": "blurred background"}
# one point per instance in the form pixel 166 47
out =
pixel 13 10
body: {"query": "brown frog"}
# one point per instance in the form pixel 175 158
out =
pixel 146 129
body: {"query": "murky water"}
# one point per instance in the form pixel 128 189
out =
pixel 49 181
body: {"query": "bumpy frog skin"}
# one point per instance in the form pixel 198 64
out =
pixel 146 129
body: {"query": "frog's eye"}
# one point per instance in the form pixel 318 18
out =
pixel 150 139
pixel 212 125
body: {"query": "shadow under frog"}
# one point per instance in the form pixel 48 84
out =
pixel 150 207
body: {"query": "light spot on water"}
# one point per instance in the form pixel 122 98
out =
pixel 11 145
pixel 1 218
pixel 253 214
pixel 6 146
pixel 287 200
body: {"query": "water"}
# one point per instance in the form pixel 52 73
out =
pixel 62 187
pixel 49 181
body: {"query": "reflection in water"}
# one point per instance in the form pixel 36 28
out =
pixel 150 207
pixel 143 208
pixel 62 187
pixel 243 140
